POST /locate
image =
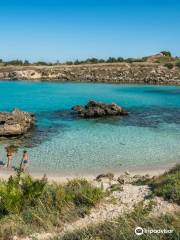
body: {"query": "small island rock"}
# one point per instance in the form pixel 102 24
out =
pixel 98 109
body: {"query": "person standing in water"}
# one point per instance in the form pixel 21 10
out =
pixel 9 159
pixel 25 161
pixel 10 151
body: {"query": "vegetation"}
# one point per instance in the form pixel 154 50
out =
pixel 178 64
pixel 124 227
pixel 169 65
pixel 166 53
pixel 166 185
pixel 28 205
pixel 76 62
pixel 16 62
pixel 43 63
pixel 165 58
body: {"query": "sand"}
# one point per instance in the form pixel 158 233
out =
pixel 65 176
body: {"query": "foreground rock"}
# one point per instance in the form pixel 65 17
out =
pixel 109 176
pixel 15 123
pixel 98 109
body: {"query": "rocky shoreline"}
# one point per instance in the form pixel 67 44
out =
pixel 133 73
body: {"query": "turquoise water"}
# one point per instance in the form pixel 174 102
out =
pixel 149 136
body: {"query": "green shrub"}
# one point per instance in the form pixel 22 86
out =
pixel 32 190
pixel 18 193
pixel 15 62
pixel 54 196
pixel 13 225
pixel 166 185
pixel 11 197
pixel 166 53
pixel 178 64
pixel 169 65
pixel 164 59
pixel 82 193
pixel 39 205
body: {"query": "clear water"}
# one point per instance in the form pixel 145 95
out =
pixel 149 136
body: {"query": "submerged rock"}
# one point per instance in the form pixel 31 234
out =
pixel 98 109
pixel 15 123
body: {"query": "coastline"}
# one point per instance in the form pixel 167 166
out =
pixel 124 82
pixel 64 176
pixel 118 73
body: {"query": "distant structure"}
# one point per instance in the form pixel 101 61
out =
pixel 154 58
pixel 163 56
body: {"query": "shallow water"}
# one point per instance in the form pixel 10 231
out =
pixel 149 136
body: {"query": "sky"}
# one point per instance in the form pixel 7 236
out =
pixel 52 30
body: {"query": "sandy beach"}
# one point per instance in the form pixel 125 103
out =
pixel 63 176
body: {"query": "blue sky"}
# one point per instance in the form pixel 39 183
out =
pixel 62 30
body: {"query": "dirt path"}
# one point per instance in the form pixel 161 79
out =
pixel 117 203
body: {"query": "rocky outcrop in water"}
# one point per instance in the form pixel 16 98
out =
pixel 97 109
pixel 15 123
pixel 144 73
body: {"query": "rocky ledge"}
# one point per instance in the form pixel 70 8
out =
pixel 97 109
pixel 15 123
pixel 142 73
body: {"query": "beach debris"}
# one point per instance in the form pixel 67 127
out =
pixel 95 109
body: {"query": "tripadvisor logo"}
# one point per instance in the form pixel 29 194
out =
pixel 139 231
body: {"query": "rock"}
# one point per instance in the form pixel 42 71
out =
pixel 147 176
pixel 141 179
pixel 110 176
pixel 15 123
pixel 125 179
pixel 98 109
pixel 137 176
pixel 121 180
pixel 78 108
pixel 115 187
pixel 127 172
